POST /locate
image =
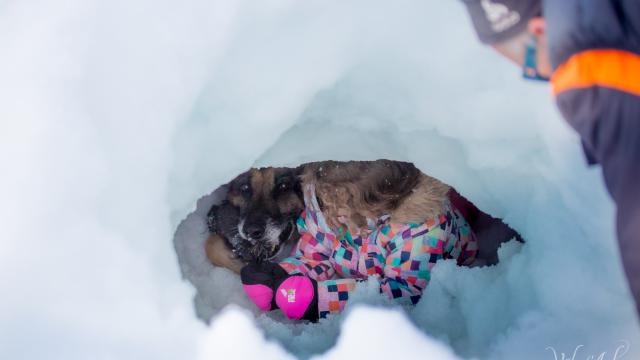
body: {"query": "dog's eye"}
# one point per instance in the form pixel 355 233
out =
pixel 244 188
pixel 284 186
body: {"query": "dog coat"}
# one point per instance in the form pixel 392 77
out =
pixel 400 255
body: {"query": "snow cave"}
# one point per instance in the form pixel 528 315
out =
pixel 134 113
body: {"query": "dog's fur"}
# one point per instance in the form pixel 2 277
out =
pixel 257 220
pixel 220 254
pixel 351 192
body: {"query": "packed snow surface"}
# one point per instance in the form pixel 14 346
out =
pixel 117 117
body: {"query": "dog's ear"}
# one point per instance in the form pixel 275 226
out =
pixel 212 219
pixel 297 171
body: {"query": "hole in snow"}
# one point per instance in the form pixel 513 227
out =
pixel 270 195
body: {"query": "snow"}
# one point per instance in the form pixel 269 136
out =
pixel 117 117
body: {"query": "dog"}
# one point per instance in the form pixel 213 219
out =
pixel 257 220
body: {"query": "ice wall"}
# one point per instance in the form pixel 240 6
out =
pixel 116 117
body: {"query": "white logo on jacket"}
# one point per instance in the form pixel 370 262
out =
pixel 290 294
pixel 499 15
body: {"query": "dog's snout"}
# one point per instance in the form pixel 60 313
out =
pixel 254 231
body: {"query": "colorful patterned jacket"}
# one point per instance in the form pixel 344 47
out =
pixel 400 255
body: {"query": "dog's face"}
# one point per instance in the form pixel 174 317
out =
pixel 258 217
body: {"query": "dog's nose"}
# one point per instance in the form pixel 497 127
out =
pixel 255 231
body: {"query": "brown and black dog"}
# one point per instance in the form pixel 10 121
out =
pixel 256 221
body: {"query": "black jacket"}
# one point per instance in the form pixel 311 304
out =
pixel 595 51
pixel 574 26
pixel 594 47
